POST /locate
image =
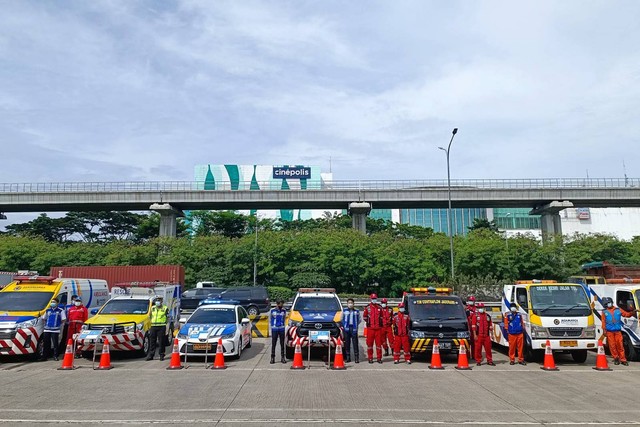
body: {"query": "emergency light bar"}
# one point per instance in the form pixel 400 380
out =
pixel 529 282
pixel 218 301
pixel 441 291
pixel 306 290
pixel 21 279
pixel 142 284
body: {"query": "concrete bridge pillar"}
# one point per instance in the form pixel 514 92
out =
pixel 168 218
pixel 359 212
pixel 550 223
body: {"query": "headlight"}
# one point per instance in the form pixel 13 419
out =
pixel 416 334
pixel 27 324
pixel 84 327
pixel 228 336
pixel 294 323
pixel 129 329
pixel 182 336
pixel 464 334
pixel 539 332
pixel 590 332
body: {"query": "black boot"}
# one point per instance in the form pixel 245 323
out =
pixel 273 360
pixel 348 359
pixel 283 359
pixel 386 351
pixel 357 359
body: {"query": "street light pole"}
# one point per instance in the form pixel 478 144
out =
pixel 449 219
pixel 255 255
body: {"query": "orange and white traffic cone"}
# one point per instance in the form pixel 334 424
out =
pixel 105 359
pixel 297 357
pixel 463 361
pixel 549 363
pixel 175 357
pixel 67 362
pixel 435 356
pixel 218 363
pixel 338 363
pixel 601 359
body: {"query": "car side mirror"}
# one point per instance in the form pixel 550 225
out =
pixel 245 321
pixel 94 311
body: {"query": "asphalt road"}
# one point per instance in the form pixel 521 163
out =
pixel 253 392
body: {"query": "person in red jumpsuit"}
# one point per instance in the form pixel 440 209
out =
pixel 482 329
pixel 401 322
pixel 373 319
pixel 78 314
pixel 386 331
pixel 471 310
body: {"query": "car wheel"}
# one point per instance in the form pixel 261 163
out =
pixel 250 342
pixel 39 349
pixel 579 356
pixel 253 310
pixel 239 349
pixel 629 350
pixel 145 346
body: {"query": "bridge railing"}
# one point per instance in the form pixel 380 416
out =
pixel 166 186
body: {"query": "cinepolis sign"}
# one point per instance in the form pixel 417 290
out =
pixel 288 172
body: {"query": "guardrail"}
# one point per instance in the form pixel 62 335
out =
pixel 137 186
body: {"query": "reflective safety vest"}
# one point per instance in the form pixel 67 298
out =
pixel 613 320
pixel 401 324
pixel 277 319
pixel 514 323
pixel 351 320
pixel 159 315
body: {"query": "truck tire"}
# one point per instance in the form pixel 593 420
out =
pixel 579 356
pixel 145 346
pixel 629 349
pixel 39 348
pixel 529 354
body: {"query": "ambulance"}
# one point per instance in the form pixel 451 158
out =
pixel 556 312
pixel 625 294
pixel 24 301
pixel 125 320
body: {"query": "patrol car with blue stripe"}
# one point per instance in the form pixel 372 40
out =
pixel 214 320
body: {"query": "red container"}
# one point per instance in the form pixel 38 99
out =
pixel 123 274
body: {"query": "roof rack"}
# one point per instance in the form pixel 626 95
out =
pixel 308 290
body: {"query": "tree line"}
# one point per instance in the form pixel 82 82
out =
pixel 221 246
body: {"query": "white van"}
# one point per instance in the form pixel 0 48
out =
pixel 24 301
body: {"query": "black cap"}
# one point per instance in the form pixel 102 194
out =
pixel 513 304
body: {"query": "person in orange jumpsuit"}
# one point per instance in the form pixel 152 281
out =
pixel 612 325
pixel 514 324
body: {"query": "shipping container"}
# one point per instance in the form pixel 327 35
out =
pixel 123 274
pixel 612 271
pixel 6 277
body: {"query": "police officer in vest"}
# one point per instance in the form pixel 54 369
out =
pixel 277 317
pixel 350 322
pixel 514 325
pixel 53 319
pixel 157 333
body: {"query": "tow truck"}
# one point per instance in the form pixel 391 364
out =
pixel 556 312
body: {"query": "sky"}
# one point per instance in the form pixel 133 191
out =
pixel 145 90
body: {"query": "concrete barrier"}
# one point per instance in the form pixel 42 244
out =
pixel 260 326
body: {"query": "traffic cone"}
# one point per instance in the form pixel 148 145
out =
pixel 435 357
pixel 338 363
pixel 364 332
pixel 67 362
pixel 218 363
pixel 463 361
pixel 601 359
pixel 105 359
pixel 549 363
pixel 175 357
pixel 297 357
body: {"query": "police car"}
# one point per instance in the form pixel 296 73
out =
pixel 214 320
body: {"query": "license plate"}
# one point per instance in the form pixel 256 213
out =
pixel 568 343
pixel 202 346
pixel 445 345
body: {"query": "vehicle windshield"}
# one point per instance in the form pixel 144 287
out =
pixel 436 308
pixel 126 306
pixel 213 315
pixel 559 300
pixel 190 293
pixel 316 303
pixel 24 301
